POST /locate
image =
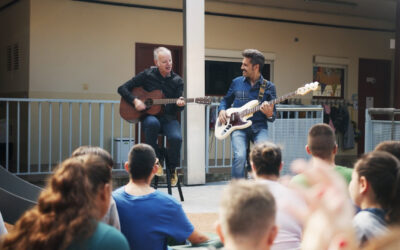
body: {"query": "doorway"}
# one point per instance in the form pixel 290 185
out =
pixel 373 90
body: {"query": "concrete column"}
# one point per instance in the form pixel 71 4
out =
pixel 194 150
pixel 397 60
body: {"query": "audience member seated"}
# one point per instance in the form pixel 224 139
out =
pixel 321 144
pixel 375 189
pixel 389 241
pixel 111 218
pixel 247 216
pixel 266 163
pixel 327 219
pixel 147 216
pixel 392 147
pixel 3 229
pixel 66 217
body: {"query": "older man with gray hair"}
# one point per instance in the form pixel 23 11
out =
pixel 161 77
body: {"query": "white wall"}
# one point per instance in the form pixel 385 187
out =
pixel 77 44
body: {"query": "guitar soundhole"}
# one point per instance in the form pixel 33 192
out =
pixel 148 103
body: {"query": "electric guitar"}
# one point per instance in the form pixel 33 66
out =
pixel 237 117
pixel 153 101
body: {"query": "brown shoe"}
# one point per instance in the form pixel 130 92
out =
pixel 174 178
pixel 160 170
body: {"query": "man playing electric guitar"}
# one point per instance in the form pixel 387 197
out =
pixel 161 78
pixel 250 86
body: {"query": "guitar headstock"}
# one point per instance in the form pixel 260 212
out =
pixel 307 88
pixel 203 100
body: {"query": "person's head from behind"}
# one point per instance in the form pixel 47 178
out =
pixel 376 181
pixel 266 159
pixel 247 216
pixel 163 60
pixel 253 62
pixel 142 162
pixel 392 147
pixel 321 142
pixel 76 196
pixel 86 150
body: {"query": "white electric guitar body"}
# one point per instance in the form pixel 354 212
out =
pixel 238 117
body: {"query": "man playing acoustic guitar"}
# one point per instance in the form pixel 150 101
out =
pixel 161 78
pixel 250 86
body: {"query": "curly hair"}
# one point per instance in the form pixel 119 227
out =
pixel 66 211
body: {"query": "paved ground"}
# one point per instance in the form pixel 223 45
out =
pixel 201 204
pixel 201 198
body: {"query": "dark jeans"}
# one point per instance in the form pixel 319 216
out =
pixel 171 128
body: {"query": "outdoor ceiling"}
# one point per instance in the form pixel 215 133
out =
pixel 5 2
pixel 375 9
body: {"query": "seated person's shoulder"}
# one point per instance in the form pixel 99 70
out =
pixel 166 198
pixel 118 193
pixel 107 237
pixel 299 179
pixel 345 172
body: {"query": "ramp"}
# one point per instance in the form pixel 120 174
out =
pixel 13 206
pixel 18 186
pixel 16 195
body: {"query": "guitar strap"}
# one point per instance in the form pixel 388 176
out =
pixel 262 90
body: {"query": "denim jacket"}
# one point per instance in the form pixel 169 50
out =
pixel 240 92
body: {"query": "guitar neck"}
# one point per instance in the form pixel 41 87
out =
pixel 275 101
pixel 171 100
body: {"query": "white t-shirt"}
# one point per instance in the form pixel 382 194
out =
pixel 289 228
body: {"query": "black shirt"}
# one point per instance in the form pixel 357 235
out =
pixel 151 79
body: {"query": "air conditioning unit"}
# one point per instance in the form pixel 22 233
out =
pixel 121 149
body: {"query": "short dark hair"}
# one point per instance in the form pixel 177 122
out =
pixel 321 141
pixel 382 170
pixel 392 147
pixel 141 160
pixel 256 57
pixel 266 158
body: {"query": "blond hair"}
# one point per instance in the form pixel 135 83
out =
pixel 247 210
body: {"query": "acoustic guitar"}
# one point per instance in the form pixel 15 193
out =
pixel 237 117
pixel 153 101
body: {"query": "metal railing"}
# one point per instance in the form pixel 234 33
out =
pixel 289 131
pixel 382 128
pixel 36 134
pixel 50 129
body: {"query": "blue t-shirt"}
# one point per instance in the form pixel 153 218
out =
pixel 147 221
pixel 104 237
